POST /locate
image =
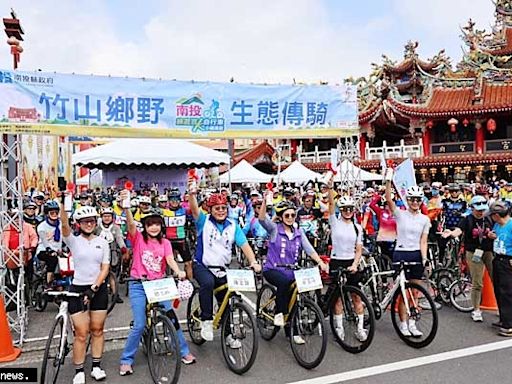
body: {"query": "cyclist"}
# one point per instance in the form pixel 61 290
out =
pixel 91 255
pixel 29 213
pixel 502 264
pixel 151 254
pixel 285 246
pixel 454 208
pixel 216 235
pixel 386 234
pixel 50 239
pixel 111 232
pixel 175 219
pixel 235 211
pixel 163 201
pixel 38 198
pixel 253 226
pixel 412 229
pixel 478 247
pixel 347 243
pixel 308 215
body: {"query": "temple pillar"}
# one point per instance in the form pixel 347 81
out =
pixel 362 146
pixel 425 139
pixel 83 171
pixel 479 138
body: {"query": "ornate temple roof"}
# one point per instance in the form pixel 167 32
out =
pixel 415 88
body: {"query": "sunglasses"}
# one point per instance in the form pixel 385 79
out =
pixel 415 199
pixel 88 221
pixel 289 215
pixel 220 208
pixel 347 209
pixel 145 204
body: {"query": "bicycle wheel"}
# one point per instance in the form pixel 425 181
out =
pixel 460 295
pixel 308 336
pixel 443 283
pixel 112 289
pixel 38 298
pixel 355 338
pixel 52 358
pixel 194 318
pixel 164 358
pixel 424 316
pixel 265 311
pixel 239 326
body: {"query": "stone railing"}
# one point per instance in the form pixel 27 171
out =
pixel 399 151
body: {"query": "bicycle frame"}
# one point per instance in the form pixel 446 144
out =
pixel 220 312
pixel 295 297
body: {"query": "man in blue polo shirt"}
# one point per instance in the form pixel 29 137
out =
pixel 502 264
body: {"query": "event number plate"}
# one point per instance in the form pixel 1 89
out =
pixel 241 280
pixel 308 279
pixel 160 290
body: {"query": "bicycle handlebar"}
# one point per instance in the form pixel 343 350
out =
pixel 407 263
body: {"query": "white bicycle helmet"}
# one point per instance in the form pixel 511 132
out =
pixel 144 200
pixel 85 212
pixel 185 289
pixel 345 201
pixel 106 211
pixel 163 199
pixel 134 203
pixel 414 191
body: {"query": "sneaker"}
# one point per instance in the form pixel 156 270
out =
pixel 207 330
pixel 477 316
pixel 413 330
pixel 98 374
pixel 298 340
pixel 279 320
pixel 125 370
pixel 404 330
pixel 119 300
pixel 507 332
pixel 497 324
pixel 79 378
pixel 188 359
pixel 362 335
pixel 233 343
pixel 340 332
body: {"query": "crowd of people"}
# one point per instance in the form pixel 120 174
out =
pixel 155 231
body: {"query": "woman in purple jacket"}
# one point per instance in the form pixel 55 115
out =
pixel 285 245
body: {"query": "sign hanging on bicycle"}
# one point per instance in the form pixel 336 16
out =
pixel 241 280
pixel 308 279
pixel 160 290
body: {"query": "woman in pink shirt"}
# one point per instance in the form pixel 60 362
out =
pixel 151 255
pixel 386 235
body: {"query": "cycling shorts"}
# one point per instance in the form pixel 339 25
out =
pixel 182 248
pixel 98 303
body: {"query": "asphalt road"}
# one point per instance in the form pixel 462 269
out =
pixel 388 360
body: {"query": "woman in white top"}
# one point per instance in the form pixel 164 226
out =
pixel 347 246
pixel 412 229
pixel 91 256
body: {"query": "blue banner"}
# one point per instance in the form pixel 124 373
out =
pixel 78 105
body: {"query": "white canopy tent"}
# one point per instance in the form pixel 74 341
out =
pixel 348 171
pixel 170 152
pixel 244 172
pixel 298 173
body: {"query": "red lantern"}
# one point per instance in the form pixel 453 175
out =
pixel 491 126
pixel 453 124
pixel 430 124
pixel 465 122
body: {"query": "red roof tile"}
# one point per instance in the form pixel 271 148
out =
pixel 252 154
pixel 461 101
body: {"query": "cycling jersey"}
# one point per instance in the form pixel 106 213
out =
pixel 503 242
pixel 49 236
pixel 215 241
pixel 453 211
pixel 307 220
pixel 88 255
pixel 253 228
pixel 175 222
pixel 235 213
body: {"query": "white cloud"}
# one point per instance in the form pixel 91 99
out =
pixel 252 41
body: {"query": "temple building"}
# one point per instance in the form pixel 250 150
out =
pixel 456 124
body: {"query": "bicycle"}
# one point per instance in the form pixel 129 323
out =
pixel 352 340
pixel 234 318
pixel 459 291
pixel 419 306
pixel 304 319
pixel 160 343
pixel 61 331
